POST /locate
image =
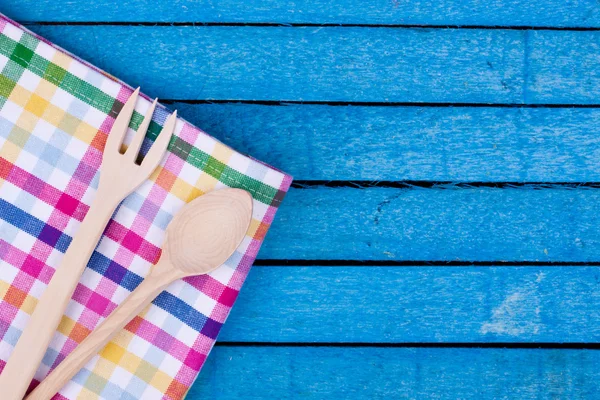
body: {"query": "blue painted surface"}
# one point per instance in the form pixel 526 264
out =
pixel 442 223
pixel 308 63
pixel 550 13
pixel 417 304
pixel 382 373
pixel 366 287
pixel 450 144
pixel 345 64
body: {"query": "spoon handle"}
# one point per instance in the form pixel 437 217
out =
pixel 158 279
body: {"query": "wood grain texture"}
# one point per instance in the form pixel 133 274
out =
pixel 445 223
pixel 368 373
pixel 580 13
pixel 559 67
pixel 306 64
pixel 417 305
pixel 320 142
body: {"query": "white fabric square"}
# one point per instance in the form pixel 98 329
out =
pixel 45 51
pixel 11 111
pixel 12 32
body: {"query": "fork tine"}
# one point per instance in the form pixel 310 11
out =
pixel 156 152
pixel 134 147
pixel 119 128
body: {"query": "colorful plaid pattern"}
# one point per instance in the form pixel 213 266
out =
pixel 55 114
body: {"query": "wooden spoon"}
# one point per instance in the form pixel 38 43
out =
pixel 200 238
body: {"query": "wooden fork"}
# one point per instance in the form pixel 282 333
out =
pixel 119 176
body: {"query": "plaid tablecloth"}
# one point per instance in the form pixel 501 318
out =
pixel 55 114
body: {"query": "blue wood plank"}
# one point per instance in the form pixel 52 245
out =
pixel 306 64
pixel 344 64
pixel 580 13
pixel 444 223
pixel 382 373
pixel 417 304
pixel 320 142
pixel 560 67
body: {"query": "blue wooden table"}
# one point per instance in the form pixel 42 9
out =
pixel 442 238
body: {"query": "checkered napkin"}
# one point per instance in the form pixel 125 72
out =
pixel 55 114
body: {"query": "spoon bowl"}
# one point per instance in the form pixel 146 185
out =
pixel 206 232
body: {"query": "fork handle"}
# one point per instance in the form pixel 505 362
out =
pixel 31 347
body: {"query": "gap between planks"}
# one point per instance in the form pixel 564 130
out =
pixel 417 263
pixel 308 25
pixel 478 345
pixel 441 185
pixel 377 104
